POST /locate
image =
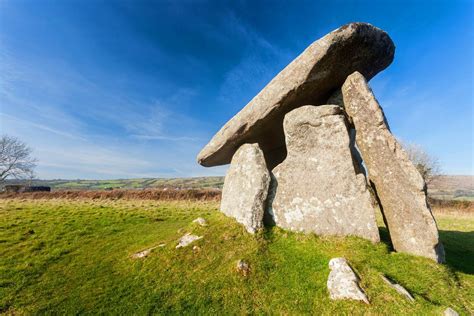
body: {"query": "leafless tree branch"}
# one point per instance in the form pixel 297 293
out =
pixel 16 159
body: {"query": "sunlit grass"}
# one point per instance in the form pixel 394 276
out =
pixel 63 256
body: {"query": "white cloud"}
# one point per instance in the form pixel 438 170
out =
pixel 126 138
pixel 28 124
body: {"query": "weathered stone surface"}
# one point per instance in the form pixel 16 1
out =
pixel 316 189
pixel 200 221
pixel 243 267
pixel 450 312
pixel 145 253
pixel 399 186
pixel 343 283
pixel 400 289
pixel 246 187
pixel 141 254
pixel 309 79
pixel 187 239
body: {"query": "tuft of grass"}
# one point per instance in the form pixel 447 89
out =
pixel 61 256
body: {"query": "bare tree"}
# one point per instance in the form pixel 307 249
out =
pixel 16 160
pixel 426 164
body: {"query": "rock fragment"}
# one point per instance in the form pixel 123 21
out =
pixel 141 254
pixel 343 283
pixel 450 312
pixel 400 289
pixel 187 239
pixel 246 187
pixel 316 189
pixel 146 252
pixel 200 221
pixel 309 79
pixel 398 185
pixel 243 267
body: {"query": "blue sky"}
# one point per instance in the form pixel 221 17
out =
pixel 123 89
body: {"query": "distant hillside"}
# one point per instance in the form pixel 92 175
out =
pixel 444 187
pixel 452 188
pixel 144 183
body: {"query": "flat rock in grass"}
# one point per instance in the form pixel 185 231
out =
pixel 317 188
pixel 396 181
pixel 343 283
pixel 243 267
pixel 400 289
pixel 246 187
pixel 200 221
pixel 146 252
pixel 450 312
pixel 309 79
pixel 141 254
pixel 186 240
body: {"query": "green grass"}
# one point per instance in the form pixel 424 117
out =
pixel 70 257
pixel 140 183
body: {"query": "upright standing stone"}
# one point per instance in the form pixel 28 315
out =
pixel 399 186
pixel 246 187
pixel 316 189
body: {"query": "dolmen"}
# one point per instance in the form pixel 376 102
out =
pixel 313 152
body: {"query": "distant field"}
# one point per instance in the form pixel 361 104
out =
pixel 145 183
pixel 444 187
pixel 452 188
pixel 62 256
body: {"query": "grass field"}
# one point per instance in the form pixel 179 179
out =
pixel 139 183
pixel 74 256
pixel 447 187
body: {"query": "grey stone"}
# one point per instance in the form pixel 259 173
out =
pixel 309 79
pixel 316 189
pixel 200 221
pixel 187 239
pixel 246 187
pixel 400 289
pixel 145 253
pixel 141 254
pixel 243 267
pixel 343 283
pixel 450 312
pixel 398 185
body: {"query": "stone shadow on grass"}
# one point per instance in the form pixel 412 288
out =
pixel 385 237
pixel 459 248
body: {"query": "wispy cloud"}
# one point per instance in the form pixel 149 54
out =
pixel 106 141
pixel 260 61
pixel 33 125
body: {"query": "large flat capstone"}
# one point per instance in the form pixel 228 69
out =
pixel 246 187
pixel 310 79
pixel 399 186
pixel 316 188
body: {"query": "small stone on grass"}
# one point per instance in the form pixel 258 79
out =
pixel 186 240
pixel 146 252
pixel 450 312
pixel 243 267
pixel 200 221
pixel 400 289
pixel 141 254
pixel 343 283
